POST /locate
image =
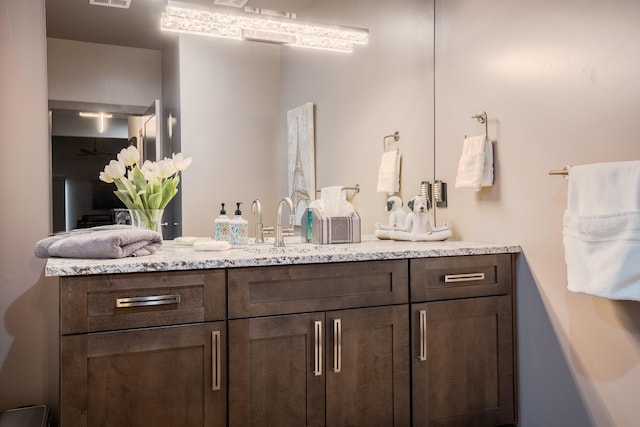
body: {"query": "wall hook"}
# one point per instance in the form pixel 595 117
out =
pixel 395 136
pixel 481 117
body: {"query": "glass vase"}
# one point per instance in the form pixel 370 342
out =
pixel 148 219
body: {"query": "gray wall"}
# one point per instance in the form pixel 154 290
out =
pixel 104 74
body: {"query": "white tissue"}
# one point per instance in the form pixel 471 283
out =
pixel 333 202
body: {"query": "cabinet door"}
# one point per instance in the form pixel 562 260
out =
pixel 144 377
pixel 276 372
pixel 463 368
pixel 368 367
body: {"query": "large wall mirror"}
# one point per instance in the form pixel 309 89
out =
pixel 225 102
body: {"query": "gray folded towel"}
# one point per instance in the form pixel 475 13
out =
pixel 111 241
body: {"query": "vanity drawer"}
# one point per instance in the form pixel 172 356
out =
pixel 263 291
pixel 434 279
pixel 123 301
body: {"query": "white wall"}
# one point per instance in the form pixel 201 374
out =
pixel 104 74
pixel 380 88
pixel 229 96
pixel 28 301
pixel 559 81
pixel 234 99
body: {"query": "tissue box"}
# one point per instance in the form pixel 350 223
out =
pixel 322 230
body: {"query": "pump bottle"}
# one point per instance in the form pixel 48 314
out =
pixel 238 229
pixel 221 226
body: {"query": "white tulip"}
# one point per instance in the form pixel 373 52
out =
pixel 150 170
pixel 104 177
pixel 180 162
pixel 129 156
pixel 167 168
pixel 114 170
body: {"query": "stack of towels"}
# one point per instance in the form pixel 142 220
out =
pixel 475 168
pixel 109 241
pixel 602 230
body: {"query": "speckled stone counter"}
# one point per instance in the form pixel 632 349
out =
pixel 175 257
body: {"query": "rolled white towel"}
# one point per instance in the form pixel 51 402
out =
pixel 475 167
pixel 389 173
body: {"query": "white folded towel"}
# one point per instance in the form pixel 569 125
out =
pixel 475 167
pixel 389 173
pixel 602 230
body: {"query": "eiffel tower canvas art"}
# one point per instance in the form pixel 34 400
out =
pixel 301 156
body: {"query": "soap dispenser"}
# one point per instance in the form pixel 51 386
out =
pixel 238 229
pixel 221 226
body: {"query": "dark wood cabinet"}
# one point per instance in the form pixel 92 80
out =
pixel 338 368
pixel 272 380
pixel 423 342
pixel 368 369
pixel 131 354
pixel 463 355
pixel 329 367
pixel 160 376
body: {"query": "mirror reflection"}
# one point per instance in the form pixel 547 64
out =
pixel 225 102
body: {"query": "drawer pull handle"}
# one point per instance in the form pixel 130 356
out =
pixel 465 277
pixel 147 301
pixel 337 346
pixel 215 360
pixel 423 336
pixel 317 351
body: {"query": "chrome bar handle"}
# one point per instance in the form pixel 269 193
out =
pixel 423 336
pixel 215 361
pixel 147 301
pixel 337 346
pixel 317 351
pixel 464 277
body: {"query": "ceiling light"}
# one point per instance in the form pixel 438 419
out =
pixel 101 119
pixel 123 4
pixel 235 24
pixel 232 3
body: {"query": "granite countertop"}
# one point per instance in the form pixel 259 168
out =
pixel 176 257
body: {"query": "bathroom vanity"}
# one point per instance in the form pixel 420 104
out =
pixel 378 333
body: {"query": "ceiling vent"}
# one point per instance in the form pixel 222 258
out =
pixel 123 4
pixel 232 3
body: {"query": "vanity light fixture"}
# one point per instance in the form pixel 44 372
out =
pixel 259 25
pixel 101 119
pixel 123 4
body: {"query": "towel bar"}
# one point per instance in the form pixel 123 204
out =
pixel 355 188
pixel 564 171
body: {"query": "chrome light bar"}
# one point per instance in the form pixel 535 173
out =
pixel 238 25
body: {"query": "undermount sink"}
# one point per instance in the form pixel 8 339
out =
pixel 292 245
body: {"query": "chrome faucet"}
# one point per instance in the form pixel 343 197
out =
pixel 256 209
pixel 279 238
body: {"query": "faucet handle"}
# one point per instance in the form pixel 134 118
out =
pixel 268 230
